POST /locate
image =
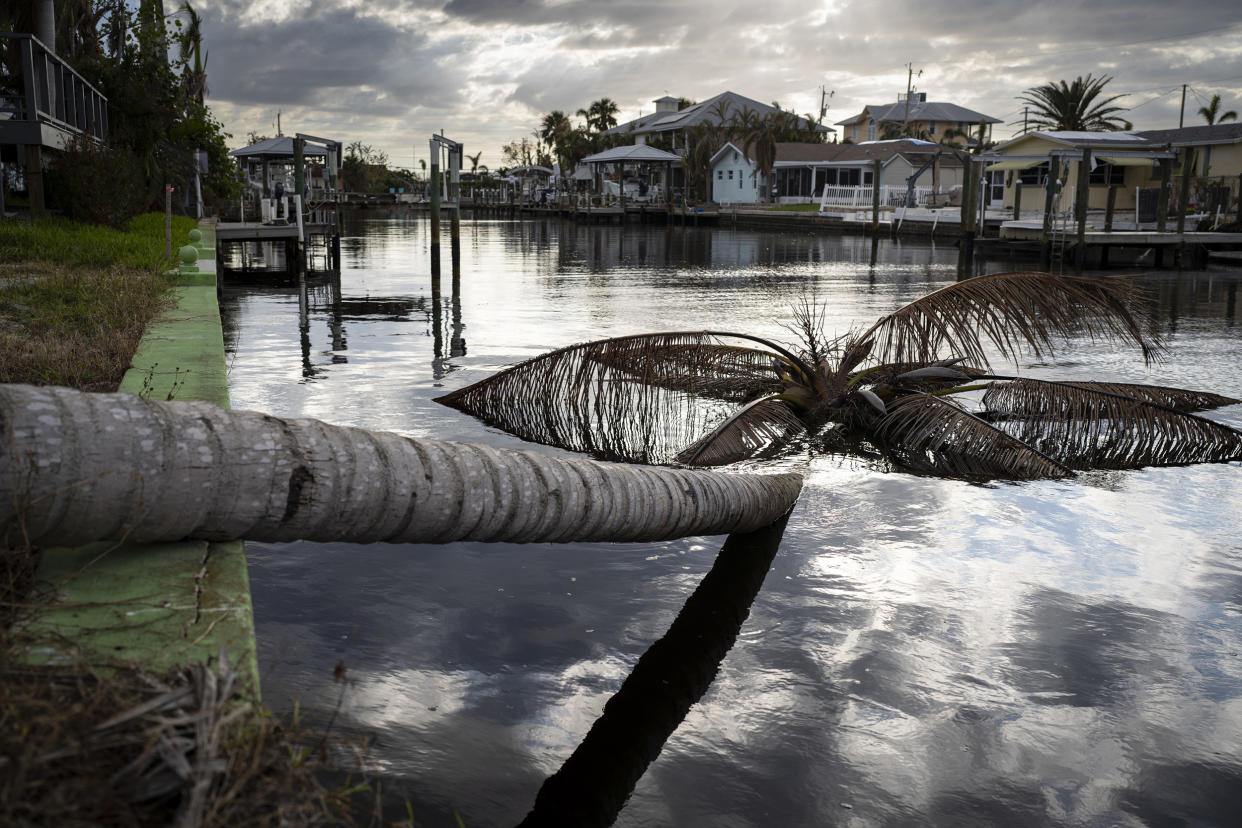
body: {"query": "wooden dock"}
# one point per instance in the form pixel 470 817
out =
pixel 278 235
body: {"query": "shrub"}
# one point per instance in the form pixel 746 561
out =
pixel 93 183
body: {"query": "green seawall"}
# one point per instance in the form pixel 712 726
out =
pixel 160 606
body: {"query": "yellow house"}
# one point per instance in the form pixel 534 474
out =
pixel 1129 161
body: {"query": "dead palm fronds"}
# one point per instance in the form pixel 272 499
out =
pixel 899 388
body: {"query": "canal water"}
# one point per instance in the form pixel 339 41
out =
pixel 921 651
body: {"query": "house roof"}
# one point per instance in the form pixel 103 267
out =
pixel 632 152
pixel 1196 135
pixel 703 112
pixel 915 152
pixel 921 111
pixel 730 145
pixel 1084 140
pixel 279 147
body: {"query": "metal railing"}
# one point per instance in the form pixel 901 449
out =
pixel 37 86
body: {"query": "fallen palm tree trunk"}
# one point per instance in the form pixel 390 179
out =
pixel 83 467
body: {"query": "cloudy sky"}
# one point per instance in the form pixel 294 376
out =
pixel 390 72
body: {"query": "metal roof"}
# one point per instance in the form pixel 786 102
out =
pixel 921 111
pixel 632 153
pixel 704 111
pixel 279 147
pixel 1196 135
pixel 800 155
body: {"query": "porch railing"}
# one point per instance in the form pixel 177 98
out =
pixel 37 86
pixel 860 197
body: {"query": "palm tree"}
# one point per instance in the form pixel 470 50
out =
pixel 1212 114
pixel 131 466
pixel 554 127
pixel 893 392
pixel 759 143
pixel 1074 107
pixel 602 114
pixel 190 40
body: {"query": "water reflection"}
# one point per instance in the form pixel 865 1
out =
pixel 922 651
pixel 595 781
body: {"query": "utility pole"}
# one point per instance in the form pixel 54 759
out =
pixel 909 89
pixel 1025 110
pixel 824 95
pixel 1181 118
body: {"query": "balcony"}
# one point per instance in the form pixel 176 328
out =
pixel 43 101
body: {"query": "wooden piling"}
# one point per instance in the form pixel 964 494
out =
pixel 1162 202
pixel 1017 200
pixel 1045 236
pixel 454 183
pixel 876 169
pixel 1188 159
pixel 433 187
pixel 1081 200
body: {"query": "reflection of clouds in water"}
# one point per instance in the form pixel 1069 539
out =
pixel 927 651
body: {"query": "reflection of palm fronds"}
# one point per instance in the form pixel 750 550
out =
pixel 760 425
pixel 639 398
pixel 1014 312
pixel 937 436
pixel 1092 427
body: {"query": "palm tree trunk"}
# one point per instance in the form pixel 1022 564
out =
pixel 82 467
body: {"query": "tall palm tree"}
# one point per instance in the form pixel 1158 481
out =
pixel 895 392
pixel 1075 107
pixel 554 127
pixel 270 478
pixel 190 39
pixel 1212 114
pixel 603 114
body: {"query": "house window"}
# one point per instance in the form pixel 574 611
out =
pixel 1107 175
pixel 739 181
pixel 931 127
pixel 866 177
pixel 1036 176
pixel 730 175
pixel 871 130
pixel 720 175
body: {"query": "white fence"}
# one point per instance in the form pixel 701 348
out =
pixel 891 195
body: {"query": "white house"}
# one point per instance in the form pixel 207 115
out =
pixel 733 177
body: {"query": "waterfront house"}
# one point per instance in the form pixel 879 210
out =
pixel 803 171
pixel 668 124
pixel 1128 161
pixel 733 178
pixel 927 119
pixel 44 106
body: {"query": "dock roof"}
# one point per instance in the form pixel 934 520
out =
pixel 279 147
pixel 632 153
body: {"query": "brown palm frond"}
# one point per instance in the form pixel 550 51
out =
pixel 763 424
pixel 723 372
pixel 1013 313
pixel 1179 399
pixel 931 434
pixel 1086 427
pixel 596 398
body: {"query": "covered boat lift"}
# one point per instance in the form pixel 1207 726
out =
pixel 638 155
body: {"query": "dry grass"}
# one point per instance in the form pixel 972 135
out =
pixel 120 747
pixel 72 325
